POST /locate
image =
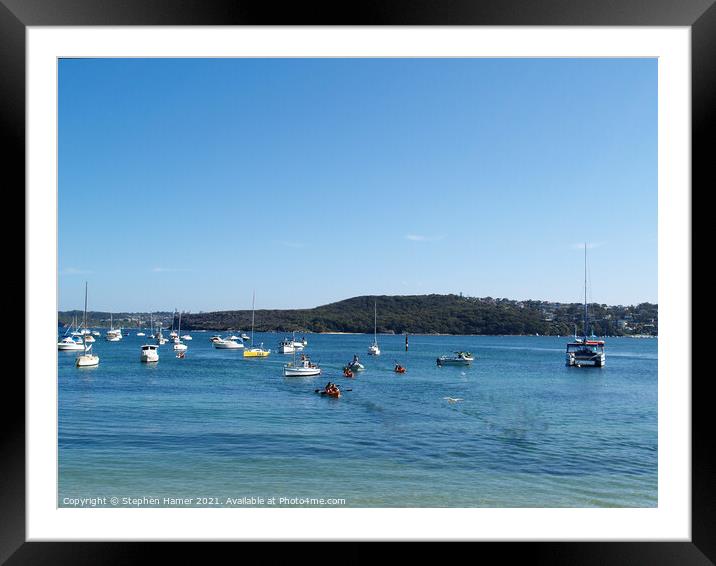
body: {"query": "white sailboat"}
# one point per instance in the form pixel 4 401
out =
pixel 160 337
pixel 178 344
pixel 583 351
pixel 174 334
pixel 255 351
pixel 374 350
pixel 113 334
pixel 87 358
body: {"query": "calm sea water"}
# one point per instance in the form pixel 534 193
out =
pixel 528 432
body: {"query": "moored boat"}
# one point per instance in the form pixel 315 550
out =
pixel 585 351
pixel 87 358
pixel 227 344
pixel 69 344
pixel 374 349
pixel 286 346
pixel 304 368
pixel 459 359
pixel 149 353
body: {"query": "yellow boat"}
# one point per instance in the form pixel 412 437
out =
pixel 256 352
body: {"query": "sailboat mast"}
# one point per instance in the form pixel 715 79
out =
pixel 585 290
pixel 375 321
pixel 253 315
pixel 84 322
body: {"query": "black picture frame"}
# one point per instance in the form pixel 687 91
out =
pixel 17 15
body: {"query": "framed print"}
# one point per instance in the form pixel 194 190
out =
pixel 270 192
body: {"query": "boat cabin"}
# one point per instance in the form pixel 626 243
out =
pixel 585 352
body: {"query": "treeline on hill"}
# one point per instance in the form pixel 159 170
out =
pixel 429 314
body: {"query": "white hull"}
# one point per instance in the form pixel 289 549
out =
pixel 148 354
pixel 300 372
pixel 180 347
pixel 304 368
pixel 286 349
pixel 374 351
pixel 67 347
pixel 357 366
pixel 227 345
pixel 451 362
pixel 87 360
pixel 141 334
pixel 186 337
pixel 598 360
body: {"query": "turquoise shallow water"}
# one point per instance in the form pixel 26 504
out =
pixel 529 432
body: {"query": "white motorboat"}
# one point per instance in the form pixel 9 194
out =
pixel 227 344
pixel 459 359
pixel 149 353
pixel 187 337
pixel 245 336
pixel 586 351
pixel 215 337
pixel 87 358
pixel 304 368
pixel 355 365
pixel 374 349
pixel 300 344
pixel 70 344
pixel 286 346
pixel 95 333
pixel 88 338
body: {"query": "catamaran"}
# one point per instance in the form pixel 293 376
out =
pixel 374 350
pixel 254 351
pixel 585 351
pixel 87 358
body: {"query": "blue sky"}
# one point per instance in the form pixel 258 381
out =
pixel 188 183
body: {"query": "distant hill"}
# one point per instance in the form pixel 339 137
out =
pixel 416 314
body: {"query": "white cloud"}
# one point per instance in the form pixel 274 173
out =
pixel 168 269
pixel 590 245
pixel 420 238
pixel 292 244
